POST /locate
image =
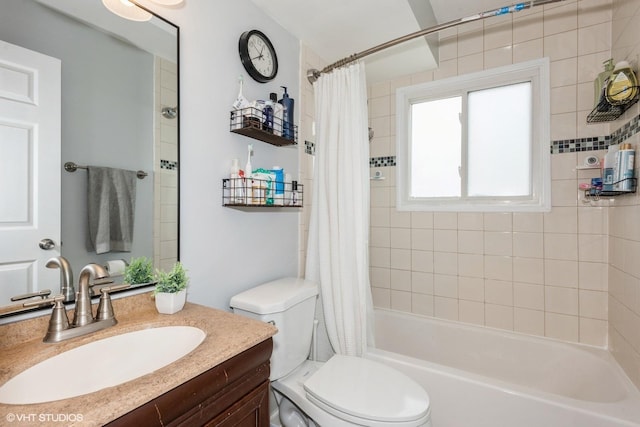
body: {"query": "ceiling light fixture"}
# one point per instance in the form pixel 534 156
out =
pixel 129 10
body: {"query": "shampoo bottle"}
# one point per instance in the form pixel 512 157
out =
pixel 287 122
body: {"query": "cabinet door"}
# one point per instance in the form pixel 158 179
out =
pixel 251 411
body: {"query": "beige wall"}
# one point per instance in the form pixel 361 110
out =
pixel 624 217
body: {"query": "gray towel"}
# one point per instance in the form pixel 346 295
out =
pixel 111 207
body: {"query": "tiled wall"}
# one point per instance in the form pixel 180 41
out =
pixel 570 274
pixel 541 274
pixel 165 239
pixel 624 217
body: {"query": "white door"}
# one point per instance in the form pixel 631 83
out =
pixel 30 85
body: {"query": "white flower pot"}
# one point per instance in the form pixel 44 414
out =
pixel 167 303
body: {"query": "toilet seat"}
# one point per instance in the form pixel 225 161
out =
pixel 356 389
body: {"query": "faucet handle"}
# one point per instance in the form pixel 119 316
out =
pixel 59 320
pixel 105 307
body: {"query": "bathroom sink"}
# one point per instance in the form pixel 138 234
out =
pixel 100 364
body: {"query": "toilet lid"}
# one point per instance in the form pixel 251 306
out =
pixel 366 389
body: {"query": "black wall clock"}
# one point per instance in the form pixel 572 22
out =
pixel 258 56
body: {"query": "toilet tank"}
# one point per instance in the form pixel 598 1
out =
pixel 288 303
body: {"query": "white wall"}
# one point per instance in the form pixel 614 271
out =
pixel 225 250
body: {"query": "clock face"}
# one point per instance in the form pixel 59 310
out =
pixel 258 56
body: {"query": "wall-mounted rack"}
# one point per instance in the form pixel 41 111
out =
pixel 251 122
pixel 606 112
pixel 259 194
pixel 596 194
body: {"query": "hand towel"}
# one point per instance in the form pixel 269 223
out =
pixel 111 199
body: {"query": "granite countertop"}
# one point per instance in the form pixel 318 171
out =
pixel 21 347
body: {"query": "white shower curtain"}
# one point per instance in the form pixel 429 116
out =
pixel 338 248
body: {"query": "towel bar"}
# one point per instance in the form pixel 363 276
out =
pixel 72 167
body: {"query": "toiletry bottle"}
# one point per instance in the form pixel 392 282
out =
pixel 600 85
pixel 626 159
pixel 240 103
pixel 279 185
pixel 287 122
pixel 237 188
pixel 278 110
pixel 267 116
pixel 622 87
pixel 609 170
pixel 248 167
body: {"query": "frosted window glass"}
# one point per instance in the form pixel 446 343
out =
pixel 436 134
pixel 499 141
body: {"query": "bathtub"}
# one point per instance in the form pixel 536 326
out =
pixel 480 377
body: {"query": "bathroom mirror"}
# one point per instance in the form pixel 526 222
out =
pixel 119 109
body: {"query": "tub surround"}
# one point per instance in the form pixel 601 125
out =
pixel 507 378
pixel 227 336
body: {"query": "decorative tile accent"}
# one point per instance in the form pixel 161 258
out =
pixel 582 144
pixel 626 131
pixel 168 164
pixel 310 148
pixel 377 162
pixel 597 143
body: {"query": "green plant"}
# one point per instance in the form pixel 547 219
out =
pixel 173 281
pixel 139 270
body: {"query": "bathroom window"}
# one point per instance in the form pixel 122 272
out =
pixel 478 142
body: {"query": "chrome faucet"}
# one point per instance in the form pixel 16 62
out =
pixel 83 321
pixel 82 314
pixel 66 276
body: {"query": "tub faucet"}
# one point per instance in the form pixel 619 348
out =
pixel 83 314
pixel 66 276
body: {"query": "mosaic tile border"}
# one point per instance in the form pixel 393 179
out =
pixel 582 144
pixel 597 143
pixel 310 148
pixel 378 162
pixel 169 165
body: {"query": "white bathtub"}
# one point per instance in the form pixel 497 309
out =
pixel 483 377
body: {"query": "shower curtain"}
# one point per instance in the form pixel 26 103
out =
pixel 338 254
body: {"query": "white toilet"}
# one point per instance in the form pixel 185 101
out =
pixel 344 391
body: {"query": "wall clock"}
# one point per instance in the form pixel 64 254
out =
pixel 258 56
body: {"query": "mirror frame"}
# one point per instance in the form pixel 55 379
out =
pixel 23 313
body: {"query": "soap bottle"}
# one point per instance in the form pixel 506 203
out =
pixel 622 87
pixel 287 122
pixel 278 111
pixel 600 85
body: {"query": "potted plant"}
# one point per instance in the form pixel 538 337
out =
pixel 139 270
pixel 171 289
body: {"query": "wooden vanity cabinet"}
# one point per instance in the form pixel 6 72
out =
pixel 234 393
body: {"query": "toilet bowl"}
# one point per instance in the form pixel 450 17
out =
pixel 345 391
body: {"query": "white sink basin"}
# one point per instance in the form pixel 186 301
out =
pixel 100 364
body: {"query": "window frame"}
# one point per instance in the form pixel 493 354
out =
pixel 537 72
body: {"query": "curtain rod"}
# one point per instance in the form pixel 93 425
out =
pixel 313 74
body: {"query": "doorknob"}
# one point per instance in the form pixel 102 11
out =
pixel 47 244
